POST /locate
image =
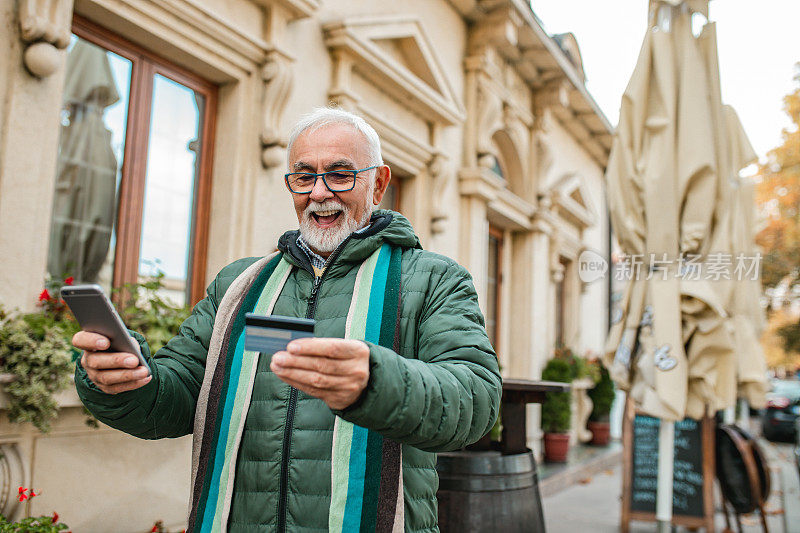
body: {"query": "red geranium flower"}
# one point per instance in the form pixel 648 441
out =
pixel 55 517
pixel 34 494
pixel 22 490
pixel 155 529
pixel 44 295
pixel 69 281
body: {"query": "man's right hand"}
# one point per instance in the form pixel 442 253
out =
pixel 112 372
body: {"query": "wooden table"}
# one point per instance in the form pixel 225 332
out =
pixel 517 393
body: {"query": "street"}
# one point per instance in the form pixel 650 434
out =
pixel 594 503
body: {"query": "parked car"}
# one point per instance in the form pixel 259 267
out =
pixel 797 445
pixel 778 422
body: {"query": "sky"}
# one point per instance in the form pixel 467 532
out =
pixel 758 40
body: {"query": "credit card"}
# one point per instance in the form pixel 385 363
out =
pixel 270 334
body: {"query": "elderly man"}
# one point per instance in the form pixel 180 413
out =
pixel 339 431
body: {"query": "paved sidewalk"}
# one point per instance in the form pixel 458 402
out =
pixel 593 504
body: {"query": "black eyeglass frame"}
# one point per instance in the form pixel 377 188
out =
pixel 322 175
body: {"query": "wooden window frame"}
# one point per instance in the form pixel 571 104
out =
pixel 562 302
pixel 499 235
pixel 144 67
pixel 397 186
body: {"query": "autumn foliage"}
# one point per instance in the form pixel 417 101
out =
pixel 778 198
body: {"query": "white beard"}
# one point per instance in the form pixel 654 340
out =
pixel 326 240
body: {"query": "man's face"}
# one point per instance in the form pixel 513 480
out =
pixel 327 218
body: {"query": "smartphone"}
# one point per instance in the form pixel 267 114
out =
pixel 95 313
pixel 270 334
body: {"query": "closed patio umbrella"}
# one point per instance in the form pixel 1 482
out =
pixel 663 190
pixel 669 185
pixel 85 193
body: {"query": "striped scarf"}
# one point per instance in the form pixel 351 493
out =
pixel 366 472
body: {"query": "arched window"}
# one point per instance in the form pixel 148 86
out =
pixel 507 162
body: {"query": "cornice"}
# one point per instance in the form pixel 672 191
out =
pixel 349 40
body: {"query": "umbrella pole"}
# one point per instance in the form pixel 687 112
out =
pixel 729 415
pixel 666 444
pixel 744 414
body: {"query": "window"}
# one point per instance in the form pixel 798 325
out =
pixel 391 198
pixel 494 279
pixel 562 303
pixel 133 174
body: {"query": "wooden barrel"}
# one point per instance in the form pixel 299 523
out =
pixel 488 491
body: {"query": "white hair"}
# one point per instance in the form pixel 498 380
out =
pixel 326 116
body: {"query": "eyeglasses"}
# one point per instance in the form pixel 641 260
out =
pixel 334 180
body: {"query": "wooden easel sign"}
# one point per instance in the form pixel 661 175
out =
pixel 693 476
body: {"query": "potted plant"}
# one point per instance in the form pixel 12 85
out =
pixel 602 396
pixel 556 412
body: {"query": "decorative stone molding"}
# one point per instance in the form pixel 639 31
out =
pixel 294 8
pixel 581 408
pixel 417 79
pixel 571 200
pixel 489 120
pixel 12 474
pixel 480 183
pixel 45 28
pixel 438 213
pixel 497 29
pixel 276 74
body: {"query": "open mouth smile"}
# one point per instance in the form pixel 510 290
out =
pixel 326 219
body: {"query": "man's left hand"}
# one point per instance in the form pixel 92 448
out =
pixel 334 370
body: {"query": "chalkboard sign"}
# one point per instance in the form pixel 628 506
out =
pixel 687 488
pixel 693 471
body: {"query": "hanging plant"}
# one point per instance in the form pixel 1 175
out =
pixel 146 310
pixel 37 355
pixel 35 351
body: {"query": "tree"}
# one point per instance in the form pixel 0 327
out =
pixel 778 198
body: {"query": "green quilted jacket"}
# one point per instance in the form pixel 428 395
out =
pixel 440 393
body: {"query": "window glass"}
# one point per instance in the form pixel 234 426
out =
pixel 93 124
pixel 493 288
pixel 172 169
pixel 561 302
pixel 391 198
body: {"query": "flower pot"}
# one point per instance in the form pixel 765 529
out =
pixel 556 446
pixel 601 433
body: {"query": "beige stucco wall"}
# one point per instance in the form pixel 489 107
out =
pixel 244 47
pixel 95 479
pixel 569 158
pixel 29 129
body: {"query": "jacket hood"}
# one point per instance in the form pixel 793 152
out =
pixel 385 227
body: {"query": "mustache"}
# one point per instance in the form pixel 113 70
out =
pixel 327 205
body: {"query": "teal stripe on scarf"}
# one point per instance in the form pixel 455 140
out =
pixel 376 296
pixel 355 485
pixel 219 456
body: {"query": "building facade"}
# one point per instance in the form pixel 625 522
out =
pixel 140 136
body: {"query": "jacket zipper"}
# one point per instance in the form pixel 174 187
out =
pixel 283 495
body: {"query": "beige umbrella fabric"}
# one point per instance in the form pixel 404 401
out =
pixel 744 304
pixel 671 350
pixel 85 193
